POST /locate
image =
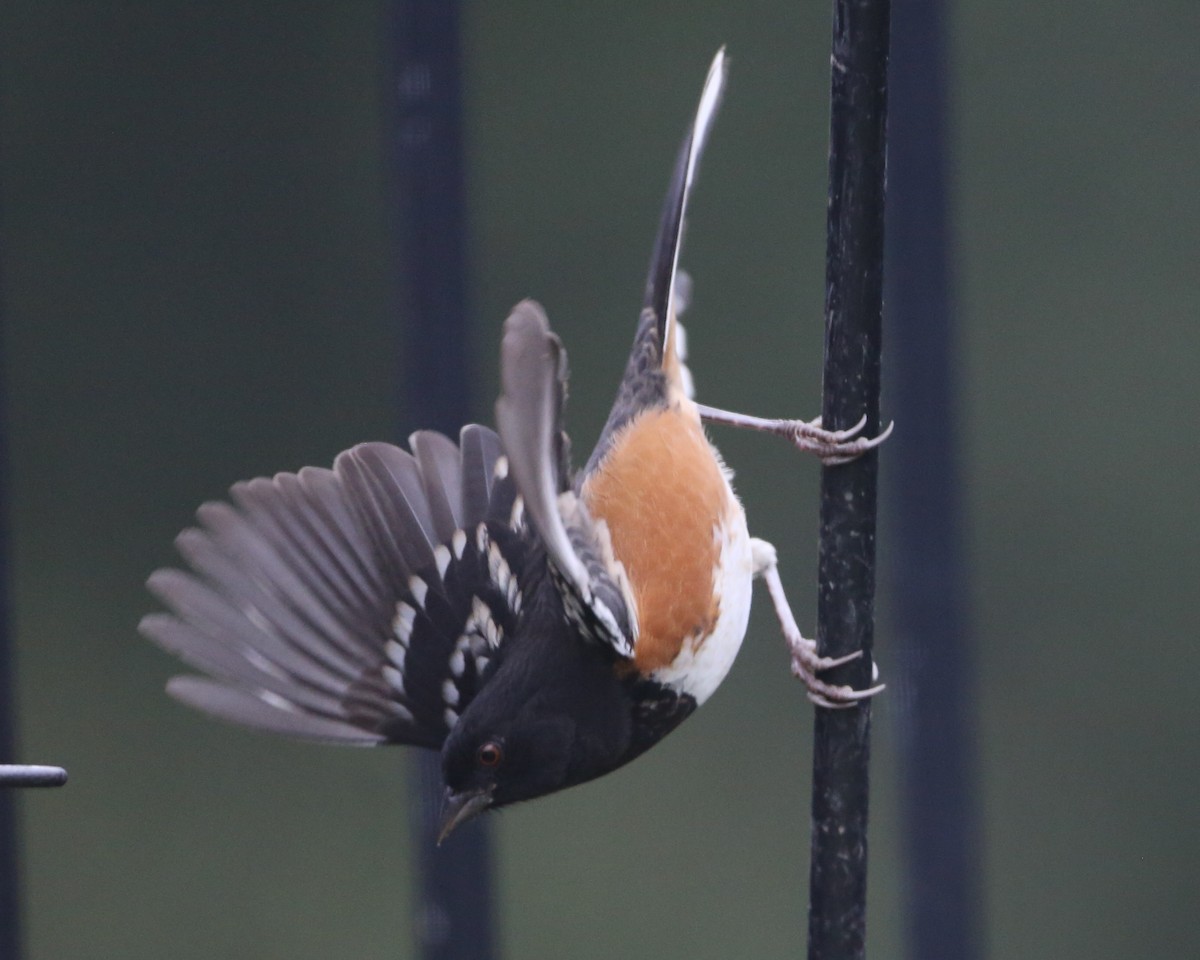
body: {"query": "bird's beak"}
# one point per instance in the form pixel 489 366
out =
pixel 458 808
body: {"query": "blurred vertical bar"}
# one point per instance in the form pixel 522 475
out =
pixel 454 904
pixel 933 688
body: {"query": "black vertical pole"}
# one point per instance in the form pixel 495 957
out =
pixel 454 909
pixel 931 672
pixel 10 901
pixel 845 604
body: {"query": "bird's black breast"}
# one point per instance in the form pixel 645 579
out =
pixel 657 710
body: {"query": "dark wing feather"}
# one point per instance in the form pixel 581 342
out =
pixel 441 470
pixel 480 450
pixel 255 711
pixel 386 493
pixel 364 604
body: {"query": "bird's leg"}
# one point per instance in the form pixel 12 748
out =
pixel 806 664
pixel 832 447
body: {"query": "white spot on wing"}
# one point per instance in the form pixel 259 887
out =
pixel 419 589
pixel 402 623
pixel 479 614
pixel 275 700
pixel 458 542
pixel 450 693
pixel 481 631
pixel 450 717
pixel 401 711
pixel 501 574
pixel 394 678
pixel 262 663
pixel 441 557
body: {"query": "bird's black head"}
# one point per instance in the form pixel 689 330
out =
pixel 491 760
pixel 554 716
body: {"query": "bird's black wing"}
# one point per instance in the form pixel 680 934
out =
pixel 363 604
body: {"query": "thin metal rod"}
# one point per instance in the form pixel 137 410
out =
pixel 10 866
pixel 932 665
pixel 31 775
pixel 454 917
pixel 846 571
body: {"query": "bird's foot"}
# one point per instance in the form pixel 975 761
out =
pixel 806 664
pixel 832 447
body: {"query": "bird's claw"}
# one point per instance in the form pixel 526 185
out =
pixel 834 447
pixel 806 664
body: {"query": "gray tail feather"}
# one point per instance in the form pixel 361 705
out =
pixel 289 602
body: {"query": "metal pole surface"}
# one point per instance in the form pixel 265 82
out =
pixel 846 566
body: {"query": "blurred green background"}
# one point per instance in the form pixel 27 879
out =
pixel 198 286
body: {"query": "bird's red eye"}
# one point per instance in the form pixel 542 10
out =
pixel 490 754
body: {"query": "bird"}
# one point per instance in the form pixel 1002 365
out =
pixel 537 625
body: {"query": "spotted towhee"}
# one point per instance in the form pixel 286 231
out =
pixel 540 627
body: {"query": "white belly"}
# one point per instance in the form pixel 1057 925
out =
pixel 703 662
